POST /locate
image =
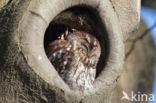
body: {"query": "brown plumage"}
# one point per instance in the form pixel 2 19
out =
pixel 75 56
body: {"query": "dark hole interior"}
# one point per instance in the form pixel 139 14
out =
pixel 93 26
pixel 53 32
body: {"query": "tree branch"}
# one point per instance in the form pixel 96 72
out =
pixel 139 38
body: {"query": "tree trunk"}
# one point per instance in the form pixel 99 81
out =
pixel 138 73
pixel 26 74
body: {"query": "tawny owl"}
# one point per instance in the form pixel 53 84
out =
pixel 75 57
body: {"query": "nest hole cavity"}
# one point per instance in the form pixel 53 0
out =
pixel 72 19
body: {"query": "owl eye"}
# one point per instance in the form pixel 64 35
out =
pixel 83 50
pixel 85 47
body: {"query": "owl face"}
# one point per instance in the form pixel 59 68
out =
pixel 75 58
pixel 86 46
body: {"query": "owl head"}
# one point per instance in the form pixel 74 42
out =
pixel 86 46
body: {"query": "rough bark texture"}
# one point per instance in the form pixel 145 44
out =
pixel 3 3
pixel 21 83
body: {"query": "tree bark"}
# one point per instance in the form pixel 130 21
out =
pixel 138 73
pixel 26 79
